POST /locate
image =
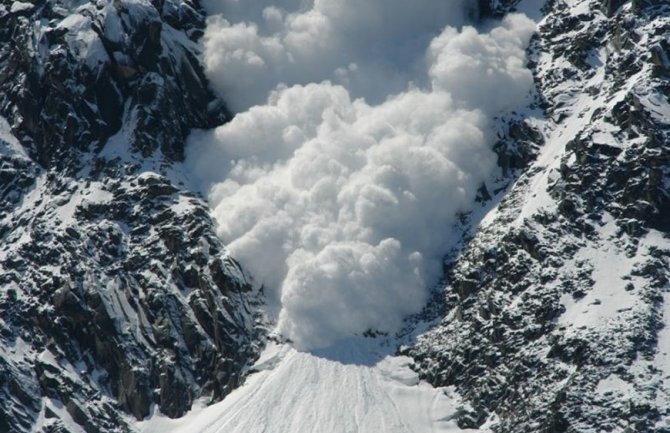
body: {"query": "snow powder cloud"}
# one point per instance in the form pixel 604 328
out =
pixel 372 47
pixel 339 205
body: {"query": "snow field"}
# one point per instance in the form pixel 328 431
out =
pixel 353 387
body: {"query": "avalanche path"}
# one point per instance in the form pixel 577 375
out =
pixel 354 386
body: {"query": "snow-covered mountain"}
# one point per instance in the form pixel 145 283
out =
pixel 116 293
pixel 122 309
pixel 555 311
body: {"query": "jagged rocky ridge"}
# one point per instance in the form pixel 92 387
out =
pixel 116 296
pixel 554 314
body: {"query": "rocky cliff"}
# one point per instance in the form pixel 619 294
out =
pixel 553 318
pixel 118 300
pixel 117 296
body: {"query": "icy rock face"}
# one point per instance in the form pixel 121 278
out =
pixel 553 318
pixel 74 72
pixel 116 295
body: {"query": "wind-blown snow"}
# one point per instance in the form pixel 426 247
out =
pixel 373 48
pixel 340 206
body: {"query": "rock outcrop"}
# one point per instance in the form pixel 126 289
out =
pixel 552 318
pixel 116 295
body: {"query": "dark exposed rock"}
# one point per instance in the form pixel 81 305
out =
pixel 510 337
pixel 102 254
pixel 59 103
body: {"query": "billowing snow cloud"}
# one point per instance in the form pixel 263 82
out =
pixel 338 195
pixel 372 47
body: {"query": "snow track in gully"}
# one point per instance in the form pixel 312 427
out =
pixel 355 386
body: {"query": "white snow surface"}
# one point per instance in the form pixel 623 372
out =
pixel 607 300
pixel 662 361
pixel 9 145
pixel 83 40
pixel 18 6
pixel 354 386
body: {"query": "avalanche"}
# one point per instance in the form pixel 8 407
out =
pixel 339 201
pixel 336 201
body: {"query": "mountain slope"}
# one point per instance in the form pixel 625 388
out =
pixel 353 386
pixel 555 308
pixel 116 293
pixel 118 301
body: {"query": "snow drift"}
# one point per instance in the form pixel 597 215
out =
pixel 354 150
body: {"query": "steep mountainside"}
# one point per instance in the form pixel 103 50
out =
pixel 556 309
pixel 116 293
pixel 118 301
